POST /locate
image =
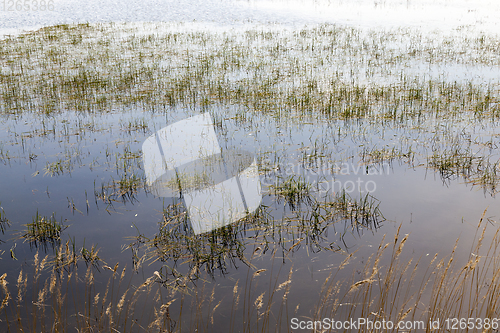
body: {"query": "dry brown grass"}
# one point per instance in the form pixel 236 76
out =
pixel 387 289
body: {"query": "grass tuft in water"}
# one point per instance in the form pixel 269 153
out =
pixel 44 231
pixel 293 190
pixel 4 222
pixel 362 212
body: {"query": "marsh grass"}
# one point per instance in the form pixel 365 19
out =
pixel 249 69
pixel 362 212
pixel 44 231
pixel 287 75
pixel 445 288
pixel 190 181
pixel 66 256
pixel 359 82
pixel 386 154
pixel 388 287
pixel 61 301
pixel 293 190
pixel 184 253
pixel 463 159
pixel 175 244
pixel 121 190
pixel 4 222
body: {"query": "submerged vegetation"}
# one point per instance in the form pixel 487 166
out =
pixel 283 76
pixel 269 71
pixel 332 114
